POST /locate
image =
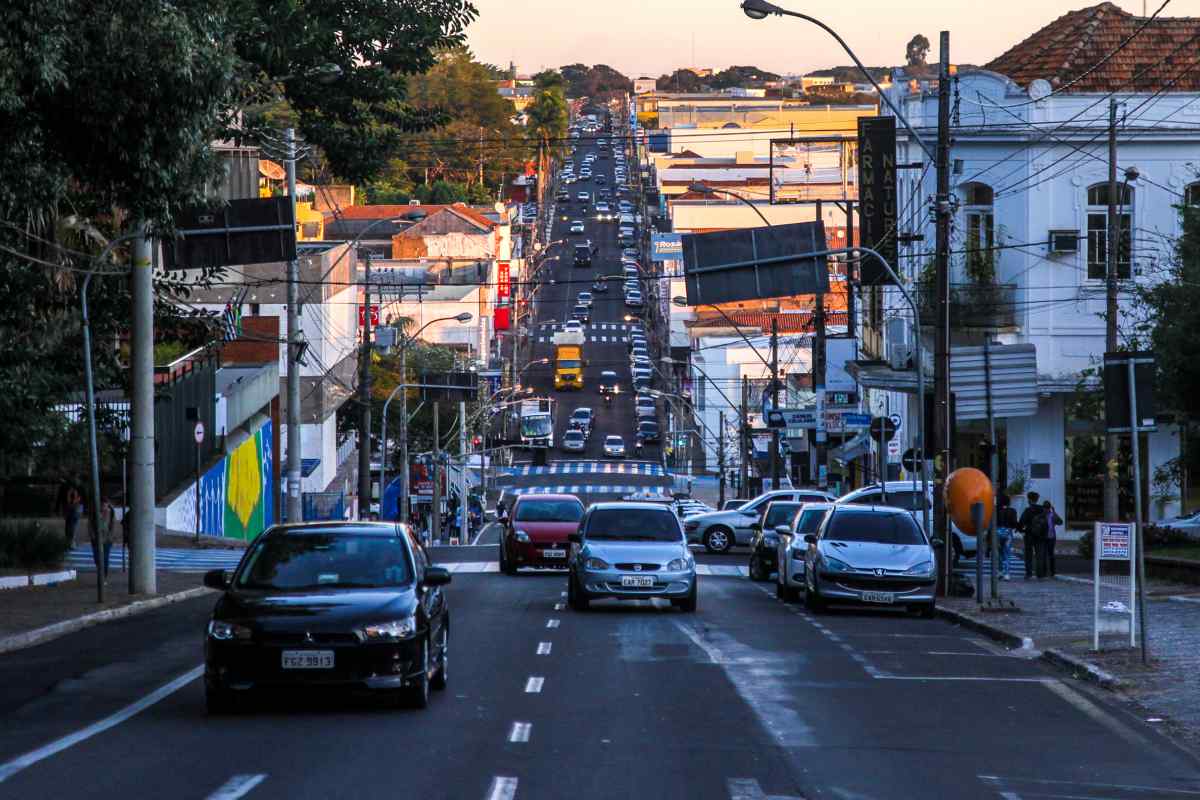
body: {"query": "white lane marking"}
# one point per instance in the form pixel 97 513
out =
pixel 520 731
pixel 502 789
pixel 980 678
pixel 544 648
pixel 993 779
pixel 748 789
pixel 552 623
pixel 562 594
pixel 237 786
pixel 559 606
pixel 10 768
pixel 534 684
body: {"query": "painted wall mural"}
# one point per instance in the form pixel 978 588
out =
pixel 236 496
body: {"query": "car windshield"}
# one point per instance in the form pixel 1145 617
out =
pixel 536 426
pixel 548 511
pixel 613 440
pixel 866 526
pixel 780 514
pixel 810 520
pixel 324 559
pixel 633 524
pixel 573 436
pixel 567 363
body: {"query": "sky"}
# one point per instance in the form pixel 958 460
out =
pixel 651 37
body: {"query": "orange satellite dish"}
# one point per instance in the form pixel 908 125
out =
pixel 964 488
pixel 271 170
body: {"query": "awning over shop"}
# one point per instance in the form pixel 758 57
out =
pixel 860 445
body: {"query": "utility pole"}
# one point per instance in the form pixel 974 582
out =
pixel 744 476
pixel 364 400
pixel 142 576
pixel 775 465
pixel 405 470
pixel 436 513
pixel 721 458
pixel 1112 511
pixel 818 375
pixel 941 368
pixel 295 511
pixel 481 155
pixel 463 511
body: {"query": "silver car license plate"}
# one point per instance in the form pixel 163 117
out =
pixel 878 597
pixel 308 659
pixel 551 553
pixel 637 581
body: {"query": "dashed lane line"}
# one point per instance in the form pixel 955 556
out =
pixel 544 648
pixel 534 684
pixel 520 732
pixel 237 786
pixel 502 788
pixel 552 623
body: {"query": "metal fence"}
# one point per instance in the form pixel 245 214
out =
pixel 324 506
pixel 186 396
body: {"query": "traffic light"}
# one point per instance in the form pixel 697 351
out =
pixel 477 441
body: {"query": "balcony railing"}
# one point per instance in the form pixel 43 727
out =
pixel 975 306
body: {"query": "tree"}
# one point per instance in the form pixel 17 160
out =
pixel 547 115
pixel 741 76
pixel 681 80
pixel 916 51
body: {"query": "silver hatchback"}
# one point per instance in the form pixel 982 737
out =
pixel 631 551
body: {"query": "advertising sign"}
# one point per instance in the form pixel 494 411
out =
pixel 877 195
pixel 503 282
pixel 1113 539
pixel 374 316
pixel 666 247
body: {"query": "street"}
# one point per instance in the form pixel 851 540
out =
pixel 749 698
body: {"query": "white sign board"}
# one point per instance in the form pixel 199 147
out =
pixel 1113 539
pixel 837 353
pixel 1114 593
pixel 893 445
pixel 198 432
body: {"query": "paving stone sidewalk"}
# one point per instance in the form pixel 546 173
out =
pixel 24 610
pixel 1057 613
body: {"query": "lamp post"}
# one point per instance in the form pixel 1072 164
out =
pixel 383 462
pixel 760 9
pixel 704 188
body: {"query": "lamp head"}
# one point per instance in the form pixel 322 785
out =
pixel 759 9
pixel 415 216
pixel 680 301
pixel 463 317
pixel 700 188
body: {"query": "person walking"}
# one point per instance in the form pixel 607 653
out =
pixel 72 512
pixel 1053 520
pixel 1031 511
pixel 102 539
pixel 1006 524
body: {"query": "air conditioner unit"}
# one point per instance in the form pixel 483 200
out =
pixel 1061 242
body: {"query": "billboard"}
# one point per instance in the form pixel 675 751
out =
pixel 877 195
pixel 754 263
pixel 255 231
pixel 666 247
pixel 503 282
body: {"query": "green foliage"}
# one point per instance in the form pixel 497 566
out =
pixel 547 116
pixel 30 544
pixel 681 80
pixel 740 76
pixel 598 82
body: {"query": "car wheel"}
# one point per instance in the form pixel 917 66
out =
pixel 218 701
pixel 506 566
pixel 813 599
pixel 783 591
pixel 575 596
pixel 439 680
pixel 718 540
pixel 758 572
pixel 956 547
pixel 927 610
pixel 418 693
pixel 688 604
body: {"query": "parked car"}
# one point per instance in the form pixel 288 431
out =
pixel 730 505
pixel 1188 524
pixel 870 555
pixel 537 530
pixel 633 299
pixel 791 550
pixel 721 530
pixel 631 551
pixel 903 494
pixel 614 446
pixel 776 514
pixel 355 605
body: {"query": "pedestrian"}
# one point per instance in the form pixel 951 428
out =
pixel 72 509
pixel 102 539
pixel 1006 523
pixel 501 511
pixel 1053 520
pixel 1031 511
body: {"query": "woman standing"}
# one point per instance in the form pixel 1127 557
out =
pixel 102 539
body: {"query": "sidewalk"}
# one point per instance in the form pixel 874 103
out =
pixel 31 609
pixel 1056 614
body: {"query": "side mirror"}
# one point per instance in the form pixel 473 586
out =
pixel 756 526
pixel 937 543
pixel 575 538
pixel 216 579
pixel 436 576
pixel 783 530
pixel 810 538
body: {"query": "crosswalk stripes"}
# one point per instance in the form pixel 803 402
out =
pixel 171 559
pixel 594 339
pixel 709 570
pixel 587 468
pixel 586 489
pixel 966 566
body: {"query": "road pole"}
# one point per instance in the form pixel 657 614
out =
pixel 994 469
pixel 143 578
pixel 775 465
pixel 820 446
pixel 404 466
pixel 1112 511
pixel 463 515
pixel 941 368
pixel 364 409
pixel 744 440
pixel 93 450
pixel 436 514
pixel 295 512
pixel 721 458
pixel 1136 446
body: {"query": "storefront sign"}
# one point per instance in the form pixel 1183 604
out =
pixel 503 282
pixel 877 195
pixel 1113 540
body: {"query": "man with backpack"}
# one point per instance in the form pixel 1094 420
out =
pixel 1032 526
pixel 1053 520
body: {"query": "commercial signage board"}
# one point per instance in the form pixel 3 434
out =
pixel 877 195
pixel 1113 540
pixel 503 282
pixel 666 247
pixel 755 263
pixel 374 316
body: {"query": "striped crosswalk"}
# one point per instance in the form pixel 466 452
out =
pixel 966 566
pixel 584 489
pixel 172 559
pixel 710 570
pixel 587 468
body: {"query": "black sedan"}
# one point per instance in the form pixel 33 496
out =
pixel 763 556
pixel 338 605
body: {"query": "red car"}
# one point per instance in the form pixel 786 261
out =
pixel 537 532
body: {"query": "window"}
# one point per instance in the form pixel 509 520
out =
pixel 1097 232
pixel 1191 194
pixel 779 514
pixel 810 520
pixel 549 511
pixel 324 559
pixel 634 524
pixel 866 526
pixel 980 229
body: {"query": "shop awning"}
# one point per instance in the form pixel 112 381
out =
pixel 860 445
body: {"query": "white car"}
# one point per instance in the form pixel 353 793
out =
pixel 614 446
pixel 584 299
pixel 574 441
pixel 577 226
pixel 791 549
pixel 573 326
pixel 1188 524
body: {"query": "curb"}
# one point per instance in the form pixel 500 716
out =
pixel 37 579
pixel 991 631
pixel 20 641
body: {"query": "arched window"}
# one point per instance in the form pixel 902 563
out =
pixel 980 227
pixel 1097 231
pixel 1191 194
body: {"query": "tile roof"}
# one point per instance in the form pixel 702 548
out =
pixel 1075 42
pixel 383 211
pixel 794 322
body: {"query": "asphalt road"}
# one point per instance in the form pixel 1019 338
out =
pixel 749 699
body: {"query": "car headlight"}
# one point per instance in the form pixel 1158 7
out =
pixel 391 631
pixel 521 536
pixel 677 564
pixel 925 568
pixel 595 563
pixel 227 631
pixel 833 565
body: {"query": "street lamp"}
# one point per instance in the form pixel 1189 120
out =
pixel 383 462
pixel 705 189
pixel 760 9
